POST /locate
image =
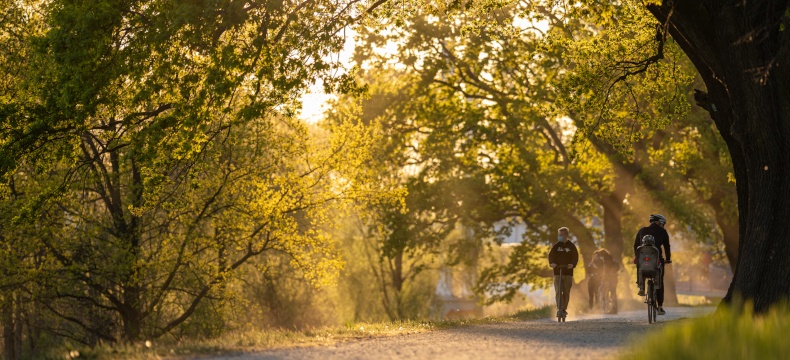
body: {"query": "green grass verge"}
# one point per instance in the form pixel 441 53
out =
pixel 532 314
pixel 723 335
pixel 256 340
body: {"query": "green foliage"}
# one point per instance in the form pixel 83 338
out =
pixel 407 239
pixel 626 80
pixel 151 154
pixel 239 202
pixel 550 111
pixel 723 335
pixel 513 150
pixel 502 280
pixel 157 183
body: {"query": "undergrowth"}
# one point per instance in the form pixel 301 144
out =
pixel 257 339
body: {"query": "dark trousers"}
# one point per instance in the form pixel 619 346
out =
pixel 592 289
pixel 660 291
pixel 563 294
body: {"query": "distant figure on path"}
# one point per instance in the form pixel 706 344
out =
pixel 563 257
pixel 602 270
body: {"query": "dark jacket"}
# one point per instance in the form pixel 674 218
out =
pixel 562 254
pixel 661 236
pixel 600 261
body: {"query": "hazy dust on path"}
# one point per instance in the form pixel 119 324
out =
pixel 583 337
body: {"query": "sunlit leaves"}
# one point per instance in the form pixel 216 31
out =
pixel 614 91
pixel 164 154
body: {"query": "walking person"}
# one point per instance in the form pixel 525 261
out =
pixel 594 275
pixel 563 257
pixel 602 270
pixel 661 238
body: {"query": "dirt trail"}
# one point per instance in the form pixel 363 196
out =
pixel 584 337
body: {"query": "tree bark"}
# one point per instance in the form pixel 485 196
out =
pixel 613 212
pixel 9 338
pixel 729 231
pixel 397 284
pixel 731 241
pixel 670 292
pixel 583 237
pixel 132 313
pixel 612 225
pixel 742 56
pixel 18 323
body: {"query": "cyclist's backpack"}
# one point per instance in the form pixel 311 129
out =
pixel 647 260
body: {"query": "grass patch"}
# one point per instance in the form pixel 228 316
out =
pixel 256 340
pixel 245 341
pixel 543 312
pixel 698 300
pixel 723 335
pixel 546 311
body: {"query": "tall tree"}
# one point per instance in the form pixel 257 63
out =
pixel 159 150
pixel 623 121
pixel 426 163
pixel 468 138
pixel 741 52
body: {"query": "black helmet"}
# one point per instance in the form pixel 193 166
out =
pixel 648 240
pixel 658 217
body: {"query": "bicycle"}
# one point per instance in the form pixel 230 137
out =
pixel 650 294
pixel 605 293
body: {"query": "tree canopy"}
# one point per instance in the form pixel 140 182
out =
pixel 153 158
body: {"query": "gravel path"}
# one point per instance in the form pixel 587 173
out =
pixel 584 337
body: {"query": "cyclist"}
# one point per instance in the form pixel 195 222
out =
pixel 602 269
pixel 656 229
pixel 563 256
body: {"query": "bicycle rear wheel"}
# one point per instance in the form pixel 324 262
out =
pixel 611 299
pixel 655 305
pixel 651 309
pixel 602 298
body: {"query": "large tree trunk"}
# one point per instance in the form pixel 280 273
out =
pixel 583 236
pixel 131 315
pixel 743 59
pixel 612 224
pixel 613 212
pixel 614 241
pixel 670 292
pixel 397 284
